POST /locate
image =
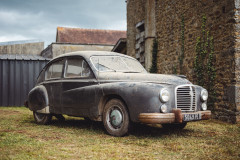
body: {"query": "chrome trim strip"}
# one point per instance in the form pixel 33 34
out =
pixel 191 94
pixel 193 103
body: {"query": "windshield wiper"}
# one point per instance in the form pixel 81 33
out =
pixel 107 67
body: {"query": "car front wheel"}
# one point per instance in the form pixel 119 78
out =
pixel 41 118
pixel 116 118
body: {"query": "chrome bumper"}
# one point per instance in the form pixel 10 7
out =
pixel 175 117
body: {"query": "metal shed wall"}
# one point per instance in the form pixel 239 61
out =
pixel 18 75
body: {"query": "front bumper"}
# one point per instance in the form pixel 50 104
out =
pixel 175 117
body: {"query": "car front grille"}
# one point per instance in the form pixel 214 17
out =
pixel 186 98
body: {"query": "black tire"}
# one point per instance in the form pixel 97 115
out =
pixel 41 118
pixel 174 126
pixel 116 118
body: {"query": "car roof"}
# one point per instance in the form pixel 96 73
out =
pixel 88 54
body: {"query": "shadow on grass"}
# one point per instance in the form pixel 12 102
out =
pixel 137 130
pixel 79 124
pixel 140 130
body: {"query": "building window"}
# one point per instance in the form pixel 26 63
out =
pixel 140 42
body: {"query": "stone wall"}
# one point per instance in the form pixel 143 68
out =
pixel 223 24
pixel 141 11
pixel 135 14
pixel 237 57
pixel 25 48
pixel 220 23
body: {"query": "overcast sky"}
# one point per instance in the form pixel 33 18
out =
pixel 38 19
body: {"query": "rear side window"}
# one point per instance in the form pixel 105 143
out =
pixel 55 70
pixel 77 68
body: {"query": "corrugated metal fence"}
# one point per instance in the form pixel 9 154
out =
pixel 18 75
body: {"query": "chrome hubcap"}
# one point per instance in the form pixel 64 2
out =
pixel 116 118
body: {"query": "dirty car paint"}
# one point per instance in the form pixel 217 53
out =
pixel 86 97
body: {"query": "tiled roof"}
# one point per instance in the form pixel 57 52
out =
pixel 88 36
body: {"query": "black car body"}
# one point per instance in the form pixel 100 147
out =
pixel 115 89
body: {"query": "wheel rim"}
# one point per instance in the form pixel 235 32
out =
pixel 115 118
pixel 39 116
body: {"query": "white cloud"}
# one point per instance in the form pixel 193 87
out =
pixel 18 18
pixel 13 38
pixel 31 19
pixel 117 25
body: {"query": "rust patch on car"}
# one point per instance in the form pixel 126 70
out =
pixel 178 115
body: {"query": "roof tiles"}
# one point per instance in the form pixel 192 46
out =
pixel 88 36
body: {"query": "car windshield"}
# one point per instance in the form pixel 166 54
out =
pixel 117 64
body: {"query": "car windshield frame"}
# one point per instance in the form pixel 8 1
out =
pixel 129 69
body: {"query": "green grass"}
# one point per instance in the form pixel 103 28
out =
pixel 21 138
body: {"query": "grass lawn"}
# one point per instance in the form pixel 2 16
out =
pixel 21 138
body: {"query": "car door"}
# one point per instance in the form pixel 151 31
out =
pixel 53 84
pixel 78 88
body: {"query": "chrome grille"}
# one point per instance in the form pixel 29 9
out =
pixel 186 98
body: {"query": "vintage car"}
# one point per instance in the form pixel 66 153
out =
pixel 115 89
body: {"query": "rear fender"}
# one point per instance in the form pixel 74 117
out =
pixel 38 100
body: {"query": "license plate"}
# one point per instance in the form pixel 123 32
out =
pixel 192 117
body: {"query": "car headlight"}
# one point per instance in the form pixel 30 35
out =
pixel 204 95
pixel 204 106
pixel 164 95
pixel 163 108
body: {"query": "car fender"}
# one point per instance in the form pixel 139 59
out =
pixel 139 97
pixel 38 99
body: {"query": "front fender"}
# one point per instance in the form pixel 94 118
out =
pixel 38 98
pixel 139 97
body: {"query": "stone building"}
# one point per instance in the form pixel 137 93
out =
pixel 78 39
pixel 22 47
pixel 161 19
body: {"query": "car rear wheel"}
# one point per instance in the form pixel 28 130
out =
pixel 174 126
pixel 116 118
pixel 41 118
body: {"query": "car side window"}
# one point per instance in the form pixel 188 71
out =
pixel 55 70
pixel 77 67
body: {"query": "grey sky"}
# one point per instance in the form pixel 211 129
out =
pixel 38 19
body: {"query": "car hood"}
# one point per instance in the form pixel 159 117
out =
pixel 142 77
